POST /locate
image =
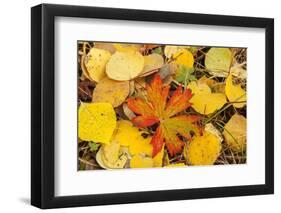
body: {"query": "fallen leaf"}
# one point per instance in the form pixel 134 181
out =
pixel 125 132
pixel 158 50
pixel 203 100
pixel 235 131
pixel 152 63
pixel 111 91
pixel 210 128
pixel 95 62
pixel 158 159
pixel 97 122
pixel 156 110
pixel 184 75
pixel 218 61
pixel 209 81
pixel 204 150
pixel 184 57
pixel 129 113
pixel 167 70
pixel 128 135
pixel 132 87
pixel 109 156
pixel 139 161
pixel 238 72
pixel 169 51
pixel 124 66
pixel 94 146
pixel 127 47
pixel 141 145
pixel 235 93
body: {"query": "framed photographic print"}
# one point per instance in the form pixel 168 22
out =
pixel 139 106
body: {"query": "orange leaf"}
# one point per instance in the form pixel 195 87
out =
pixel 158 109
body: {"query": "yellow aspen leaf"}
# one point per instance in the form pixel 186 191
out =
pixel 218 61
pixel 126 133
pixel 111 91
pixel 127 47
pixel 203 100
pixel 214 131
pixel 238 72
pixel 204 150
pixel 235 93
pixel 111 150
pixel 158 159
pixel 235 133
pixel 139 161
pixel 97 122
pixel 141 145
pixel 169 51
pixel 184 57
pixel 208 103
pixel 176 165
pixel 216 87
pixel 95 62
pixel 199 88
pixel 152 63
pixel 204 80
pixel 124 66
pixel 109 156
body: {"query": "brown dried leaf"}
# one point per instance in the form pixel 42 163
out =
pixel 110 91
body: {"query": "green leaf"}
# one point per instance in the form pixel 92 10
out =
pixel 184 75
pixel 218 61
pixel 158 50
pixel 94 146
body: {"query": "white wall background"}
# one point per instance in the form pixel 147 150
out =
pixel 15 105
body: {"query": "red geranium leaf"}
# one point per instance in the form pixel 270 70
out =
pixel 157 109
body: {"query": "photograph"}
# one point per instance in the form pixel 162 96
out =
pixel 132 105
pixel 160 105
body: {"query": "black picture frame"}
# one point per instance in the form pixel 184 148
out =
pixel 43 102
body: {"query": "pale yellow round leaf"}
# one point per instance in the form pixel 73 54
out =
pixel 235 133
pixel 169 50
pixel 109 157
pixel 210 128
pixel 218 61
pixel 95 62
pixel 152 62
pixel 124 66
